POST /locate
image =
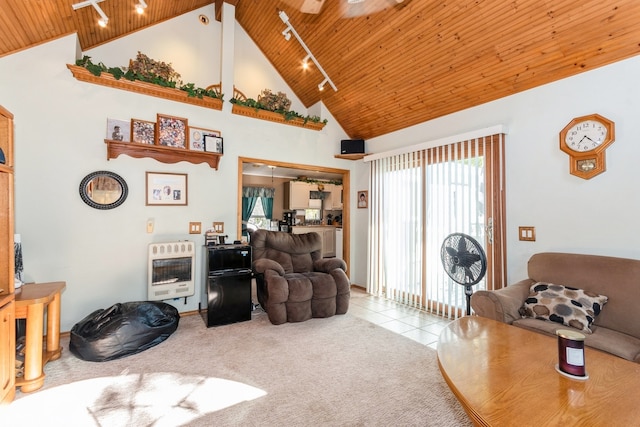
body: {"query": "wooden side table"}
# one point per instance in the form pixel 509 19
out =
pixel 31 302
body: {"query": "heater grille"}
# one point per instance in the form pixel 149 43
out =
pixel 171 270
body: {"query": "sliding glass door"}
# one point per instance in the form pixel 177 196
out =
pixel 417 200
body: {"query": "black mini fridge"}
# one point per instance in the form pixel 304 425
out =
pixel 226 296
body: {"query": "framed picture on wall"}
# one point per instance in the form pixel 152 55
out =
pixel 363 199
pixel 119 130
pixel 166 189
pixel 213 144
pixel 197 135
pixel 172 131
pixel 143 131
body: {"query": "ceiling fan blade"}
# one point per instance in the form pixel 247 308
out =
pixel 312 6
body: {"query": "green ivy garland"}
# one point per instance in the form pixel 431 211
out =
pixel 118 73
pixel 288 115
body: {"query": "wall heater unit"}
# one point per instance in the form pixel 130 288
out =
pixel 171 270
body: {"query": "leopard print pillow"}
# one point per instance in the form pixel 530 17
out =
pixel 562 304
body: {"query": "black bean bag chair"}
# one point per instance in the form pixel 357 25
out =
pixel 122 330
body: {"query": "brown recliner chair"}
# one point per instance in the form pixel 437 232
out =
pixel 294 283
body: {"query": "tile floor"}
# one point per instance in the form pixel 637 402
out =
pixel 418 325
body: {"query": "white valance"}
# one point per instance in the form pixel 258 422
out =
pixel 479 133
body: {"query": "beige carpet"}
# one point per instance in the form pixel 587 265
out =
pixel 340 371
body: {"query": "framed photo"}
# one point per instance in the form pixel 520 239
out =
pixel 119 130
pixel 196 137
pixel 363 199
pixel 172 131
pixel 213 144
pixel 166 189
pixel 143 132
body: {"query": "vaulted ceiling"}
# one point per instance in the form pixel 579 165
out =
pixel 396 63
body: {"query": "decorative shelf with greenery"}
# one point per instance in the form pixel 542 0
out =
pixel 160 153
pixel 273 107
pixel 136 79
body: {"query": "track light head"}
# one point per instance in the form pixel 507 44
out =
pixel 140 7
pixel 305 62
pixel 287 34
pixel 321 85
pixel 104 20
pixel 283 16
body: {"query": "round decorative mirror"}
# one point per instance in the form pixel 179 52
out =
pixel 103 190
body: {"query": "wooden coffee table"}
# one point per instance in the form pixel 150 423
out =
pixel 505 376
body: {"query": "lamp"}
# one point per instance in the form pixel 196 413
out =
pixel 140 7
pixel 287 36
pixel 104 19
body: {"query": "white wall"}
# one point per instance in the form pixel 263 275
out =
pixel 60 127
pixel 596 216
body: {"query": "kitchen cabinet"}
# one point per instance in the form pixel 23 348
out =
pixel 296 195
pixel 339 243
pixel 328 242
pixel 327 236
pixel 336 197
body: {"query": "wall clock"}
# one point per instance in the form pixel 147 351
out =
pixel 585 140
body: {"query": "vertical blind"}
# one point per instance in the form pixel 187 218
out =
pixel 419 198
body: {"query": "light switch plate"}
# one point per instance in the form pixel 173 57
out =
pixel 195 227
pixel 527 234
pixel 218 227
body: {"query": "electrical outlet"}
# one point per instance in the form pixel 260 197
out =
pixel 218 227
pixel 527 234
pixel 195 227
pixel 150 225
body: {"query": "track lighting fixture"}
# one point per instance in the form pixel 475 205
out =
pixel 287 35
pixel 140 7
pixel 104 19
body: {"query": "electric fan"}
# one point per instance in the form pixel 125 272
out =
pixel 464 261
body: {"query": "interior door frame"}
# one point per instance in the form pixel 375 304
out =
pixel 346 199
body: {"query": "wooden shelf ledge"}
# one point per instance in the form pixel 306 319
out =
pixel 107 79
pixel 355 156
pixel 242 110
pixel 160 153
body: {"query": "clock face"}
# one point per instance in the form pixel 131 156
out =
pixel 586 135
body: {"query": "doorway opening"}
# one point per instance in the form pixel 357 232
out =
pixel 295 170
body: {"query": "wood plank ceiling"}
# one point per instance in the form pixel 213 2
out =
pixel 394 64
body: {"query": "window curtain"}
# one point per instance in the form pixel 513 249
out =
pixel 417 199
pixel 267 206
pixel 250 197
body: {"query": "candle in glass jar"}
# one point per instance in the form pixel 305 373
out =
pixel 571 352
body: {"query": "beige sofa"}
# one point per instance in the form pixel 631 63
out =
pixel 615 330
